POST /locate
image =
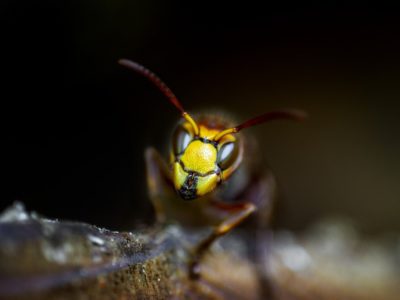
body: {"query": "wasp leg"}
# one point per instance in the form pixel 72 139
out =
pixel 158 181
pixel 220 230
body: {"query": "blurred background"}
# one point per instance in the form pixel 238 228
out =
pixel 75 124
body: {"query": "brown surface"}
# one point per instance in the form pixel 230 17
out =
pixel 46 259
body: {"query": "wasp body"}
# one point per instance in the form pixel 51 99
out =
pixel 205 182
pixel 214 175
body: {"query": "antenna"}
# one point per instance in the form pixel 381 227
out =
pixel 291 114
pixel 138 68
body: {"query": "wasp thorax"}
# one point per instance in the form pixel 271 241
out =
pixel 200 164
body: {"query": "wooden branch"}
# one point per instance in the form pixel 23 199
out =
pixel 49 259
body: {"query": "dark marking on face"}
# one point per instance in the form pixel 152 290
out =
pixel 206 141
pixel 188 191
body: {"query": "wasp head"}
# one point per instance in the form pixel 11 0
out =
pixel 201 163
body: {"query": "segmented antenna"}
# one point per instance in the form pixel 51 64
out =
pixel 161 86
pixel 154 79
pixel 291 114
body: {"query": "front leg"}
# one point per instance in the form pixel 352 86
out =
pixel 159 182
pixel 227 225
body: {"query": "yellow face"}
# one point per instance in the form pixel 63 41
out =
pixel 200 164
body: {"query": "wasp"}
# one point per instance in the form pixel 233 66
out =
pixel 213 176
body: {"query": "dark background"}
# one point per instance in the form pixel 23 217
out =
pixel 75 124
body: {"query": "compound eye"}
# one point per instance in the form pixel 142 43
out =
pixel 227 155
pixel 181 140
